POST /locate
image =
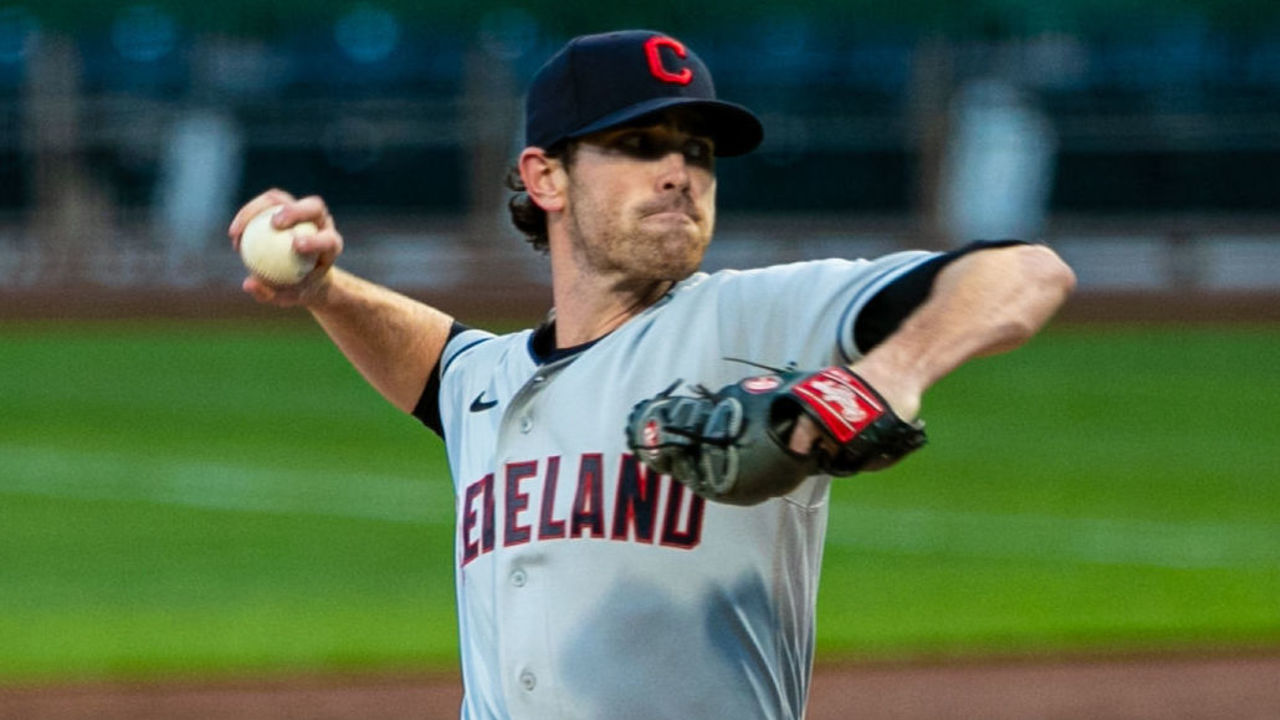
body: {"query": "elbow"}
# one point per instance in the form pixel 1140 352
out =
pixel 1047 272
pixel 1047 281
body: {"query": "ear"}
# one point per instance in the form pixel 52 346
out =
pixel 544 178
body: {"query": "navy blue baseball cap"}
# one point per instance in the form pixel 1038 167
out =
pixel 597 82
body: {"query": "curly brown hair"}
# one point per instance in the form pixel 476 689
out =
pixel 525 213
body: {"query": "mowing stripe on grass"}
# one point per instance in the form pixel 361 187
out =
pixel 88 475
pixel 1094 541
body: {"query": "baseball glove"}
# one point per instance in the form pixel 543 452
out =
pixel 732 445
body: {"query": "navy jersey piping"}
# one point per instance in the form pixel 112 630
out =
pixel 542 348
pixel 428 408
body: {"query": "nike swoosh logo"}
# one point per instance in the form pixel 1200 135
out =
pixel 480 405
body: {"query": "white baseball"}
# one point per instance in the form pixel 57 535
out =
pixel 269 253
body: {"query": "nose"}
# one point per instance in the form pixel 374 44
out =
pixel 673 172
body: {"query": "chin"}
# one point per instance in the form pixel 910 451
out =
pixel 669 268
pixel 678 256
pixel 675 274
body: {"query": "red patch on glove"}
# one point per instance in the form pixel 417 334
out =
pixel 843 402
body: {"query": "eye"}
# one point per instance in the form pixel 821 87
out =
pixel 638 145
pixel 698 151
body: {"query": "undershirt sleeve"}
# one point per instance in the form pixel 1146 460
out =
pixel 428 408
pixel 884 313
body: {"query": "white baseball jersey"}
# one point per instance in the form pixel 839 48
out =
pixel 591 588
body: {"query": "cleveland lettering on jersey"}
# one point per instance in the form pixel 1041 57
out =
pixel 537 505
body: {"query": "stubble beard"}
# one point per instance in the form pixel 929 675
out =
pixel 636 252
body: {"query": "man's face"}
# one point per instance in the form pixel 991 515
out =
pixel 641 200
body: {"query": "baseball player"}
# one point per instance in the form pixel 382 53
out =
pixel 639 528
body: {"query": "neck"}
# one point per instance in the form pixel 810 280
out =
pixel 592 306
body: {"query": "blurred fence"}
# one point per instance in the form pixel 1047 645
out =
pixel 1148 159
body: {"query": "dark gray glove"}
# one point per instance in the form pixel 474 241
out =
pixel 732 445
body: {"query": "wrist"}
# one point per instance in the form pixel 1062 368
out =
pixel 899 384
pixel 320 292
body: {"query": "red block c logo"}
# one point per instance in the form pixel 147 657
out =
pixel 651 47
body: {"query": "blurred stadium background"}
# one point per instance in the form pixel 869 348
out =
pixel 176 499
pixel 1141 139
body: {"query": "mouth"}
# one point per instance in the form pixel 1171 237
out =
pixel 671 212
pixel 672 216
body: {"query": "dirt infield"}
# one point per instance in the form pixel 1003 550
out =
pixel 1225 687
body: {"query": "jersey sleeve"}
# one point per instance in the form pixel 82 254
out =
pixel 886 310
pixel 427 410
pixel 804 312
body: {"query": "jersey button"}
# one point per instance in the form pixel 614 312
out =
pixel 519 578
pixel 528 680
pixel 526 424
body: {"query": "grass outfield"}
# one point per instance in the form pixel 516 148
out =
pixel 217 497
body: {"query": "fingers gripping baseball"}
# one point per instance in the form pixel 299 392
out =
pixel 735 445
pixel 295 272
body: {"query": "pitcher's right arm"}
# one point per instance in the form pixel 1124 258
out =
pixel 393 340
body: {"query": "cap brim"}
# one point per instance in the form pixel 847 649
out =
pixel 735 129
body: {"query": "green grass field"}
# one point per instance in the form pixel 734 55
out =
pixel 231 498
